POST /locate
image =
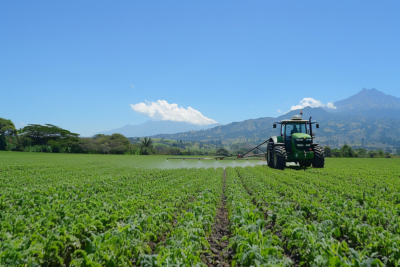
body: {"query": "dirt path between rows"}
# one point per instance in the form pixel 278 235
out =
pixel 220 257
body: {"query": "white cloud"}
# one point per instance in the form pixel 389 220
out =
pixel 311 102
pixel 132 86
pixel 22 123
pixel 331 105
pixel 161 109
pixel 279 111
pixel 308 102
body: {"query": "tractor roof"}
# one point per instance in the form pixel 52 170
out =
pixel 294 121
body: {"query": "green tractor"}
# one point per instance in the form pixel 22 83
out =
pixel 295 144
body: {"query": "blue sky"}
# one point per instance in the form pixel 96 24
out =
pixel 85 65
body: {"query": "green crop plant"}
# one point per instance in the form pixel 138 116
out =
pixel 79 215
pixel 186 243
pixel 252 243
pixel 95 210
pixel 328 219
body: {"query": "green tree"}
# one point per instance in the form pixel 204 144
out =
pixel 103 144
pixel 147 142
pixel 7 127
pixel 146 146
pixel 372 154
pixel 88 145
pixel 362 152
pixel 222 152
pixel 97 136
pixel 107 144
pixel 119 144
pixel 336 153
pixel 41 134
pixel 346 151
pixel 27 141
pixel 327 151
pixel 175 151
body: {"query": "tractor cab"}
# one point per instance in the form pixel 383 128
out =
pixel 295 132
pixel 292 130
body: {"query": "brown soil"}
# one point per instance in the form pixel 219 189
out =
pixel 220 255
pixel 153 244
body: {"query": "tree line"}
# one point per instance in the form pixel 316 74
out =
pixel 49 138
pixel 53 139
pixel 347 151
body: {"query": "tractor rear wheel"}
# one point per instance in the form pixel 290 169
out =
pixel 319 157
pixel 279 157
pixel 269 155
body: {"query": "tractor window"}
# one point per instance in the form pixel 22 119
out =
pixel 292 128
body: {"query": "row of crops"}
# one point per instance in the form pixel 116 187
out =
pixel 80 211
pixel 320 218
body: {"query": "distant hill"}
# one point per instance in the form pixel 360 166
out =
pixel 253 129
pixel 316 114
pixel 369 103
pixel 335 130
pixel 368 119
pixel 155 127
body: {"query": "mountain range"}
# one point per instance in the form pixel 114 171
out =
pixel 150 128
pixel 368 119
pixel 369 103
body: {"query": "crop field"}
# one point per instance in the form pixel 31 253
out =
pixel 100 210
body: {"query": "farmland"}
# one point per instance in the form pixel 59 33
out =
pixel 101 210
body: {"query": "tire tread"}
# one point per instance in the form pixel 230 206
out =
pixel 319 157
pixel 281 157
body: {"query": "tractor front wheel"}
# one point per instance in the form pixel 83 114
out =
pixel 269 155
pixel 319 157
pixel 279 157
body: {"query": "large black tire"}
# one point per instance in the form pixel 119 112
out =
pixel 269 155
pixel 305 163
pixel 319 157
pixel 279 157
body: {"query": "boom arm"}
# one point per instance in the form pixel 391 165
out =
pixel 257 147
